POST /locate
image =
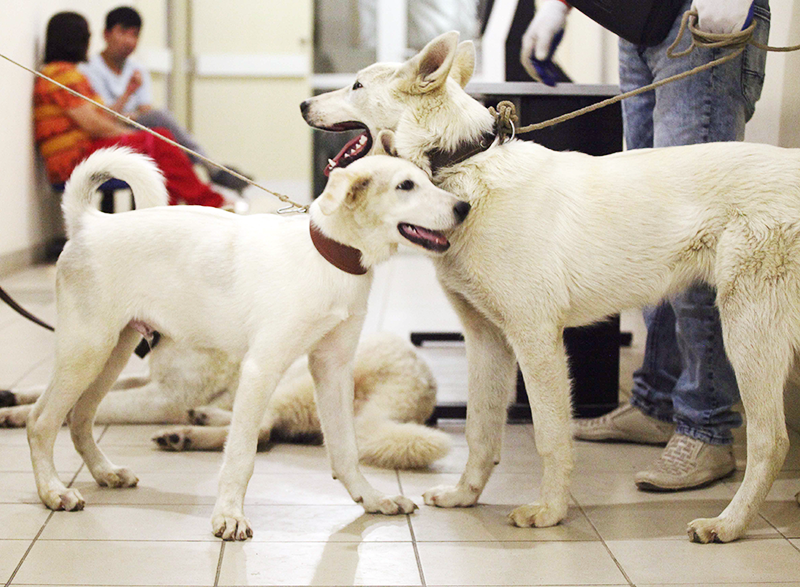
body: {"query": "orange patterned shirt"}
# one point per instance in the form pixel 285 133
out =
pixel 62 143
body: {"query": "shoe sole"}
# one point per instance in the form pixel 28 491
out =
pixel 617 439
pixel 650 487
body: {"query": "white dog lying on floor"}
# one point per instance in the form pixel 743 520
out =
pixel 264 289
pixel 395 393
pixel 559 239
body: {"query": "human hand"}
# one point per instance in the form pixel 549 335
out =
pixel 134 83
pixel 540 37
pixel 722 16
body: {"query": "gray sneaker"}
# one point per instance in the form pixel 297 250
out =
pixel 687 463
pixel 627 423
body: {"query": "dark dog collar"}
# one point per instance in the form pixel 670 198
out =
pixel 341 256
pixel 440 158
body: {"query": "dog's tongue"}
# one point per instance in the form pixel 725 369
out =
pixel 434 241
pixel 435 238
pixel 349 153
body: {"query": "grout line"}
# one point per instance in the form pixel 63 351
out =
pixel 28 550
pixel 605 545
pixel 44 525
pixel 413 536
pixel 219 563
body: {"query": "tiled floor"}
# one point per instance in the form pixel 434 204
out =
pixel 308 532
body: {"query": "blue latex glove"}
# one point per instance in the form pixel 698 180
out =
pixel 546 69
pixel 541 39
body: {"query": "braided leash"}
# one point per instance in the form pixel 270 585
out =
pixel 505 113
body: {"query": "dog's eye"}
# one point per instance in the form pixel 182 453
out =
pixel 357 85
pixel 406 186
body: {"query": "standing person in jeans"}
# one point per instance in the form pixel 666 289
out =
pixel 685 391
pixel 124 84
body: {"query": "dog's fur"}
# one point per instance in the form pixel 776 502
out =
pixel 253 287
pixel 395 393
pixel 560 239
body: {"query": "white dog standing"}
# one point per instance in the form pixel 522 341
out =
pixel 559 239
pixel 262 288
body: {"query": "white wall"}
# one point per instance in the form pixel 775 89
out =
pixel 29 213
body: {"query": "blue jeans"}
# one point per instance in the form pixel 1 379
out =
pixel 685 377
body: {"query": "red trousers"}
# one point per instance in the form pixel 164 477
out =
pixel 182 183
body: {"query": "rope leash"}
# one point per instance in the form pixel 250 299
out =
pixel 505 113
pixel 292 207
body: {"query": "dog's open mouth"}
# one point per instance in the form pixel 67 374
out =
pixel 428 239
pixel 354 149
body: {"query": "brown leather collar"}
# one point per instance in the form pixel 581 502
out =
pixel 439 158
pixel 341 256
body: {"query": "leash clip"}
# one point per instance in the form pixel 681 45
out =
pixel 513 132
pixel 293 209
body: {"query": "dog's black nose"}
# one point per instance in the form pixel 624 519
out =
pixel 304 105
pixel 461 210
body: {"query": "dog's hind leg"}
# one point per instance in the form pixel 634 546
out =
pixel 492 373
pixel 179 438
pixel 544 367
pixel 81 419
pixel 80 359
pixel 760 350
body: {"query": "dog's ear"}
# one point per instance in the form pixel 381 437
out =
pixel 429 69
pixel 385 144
pixel 343 188
pixel 335 191
pixel 464 63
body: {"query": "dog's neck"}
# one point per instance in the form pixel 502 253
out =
pixel 440 158
pixel 341 256
pixel 458 128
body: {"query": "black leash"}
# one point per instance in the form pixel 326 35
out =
pixel 141 350
pixel 22 311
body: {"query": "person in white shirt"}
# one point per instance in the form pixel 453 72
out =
pixel 124 84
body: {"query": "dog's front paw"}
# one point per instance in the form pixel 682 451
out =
pixel 68 500
pixel 231 527
pixel 538 515
pixel 449 496
pixel 15 417
pixel 705 530
pixel 116 478
pixel 390 505
pixel 175 439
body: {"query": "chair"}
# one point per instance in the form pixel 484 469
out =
pixel 107 205
pixel 107 190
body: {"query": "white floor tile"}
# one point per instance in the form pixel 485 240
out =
pixel 518 563
pixel 685 563
pixel 11 552
pixel 71 562
pixel 319 563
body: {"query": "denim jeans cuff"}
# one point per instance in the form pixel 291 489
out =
pixel 649 409
pixel 705 436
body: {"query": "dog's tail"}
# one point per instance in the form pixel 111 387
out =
pixel 399 445
pixel 138 171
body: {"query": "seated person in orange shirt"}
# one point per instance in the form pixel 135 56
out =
pixel 67 129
